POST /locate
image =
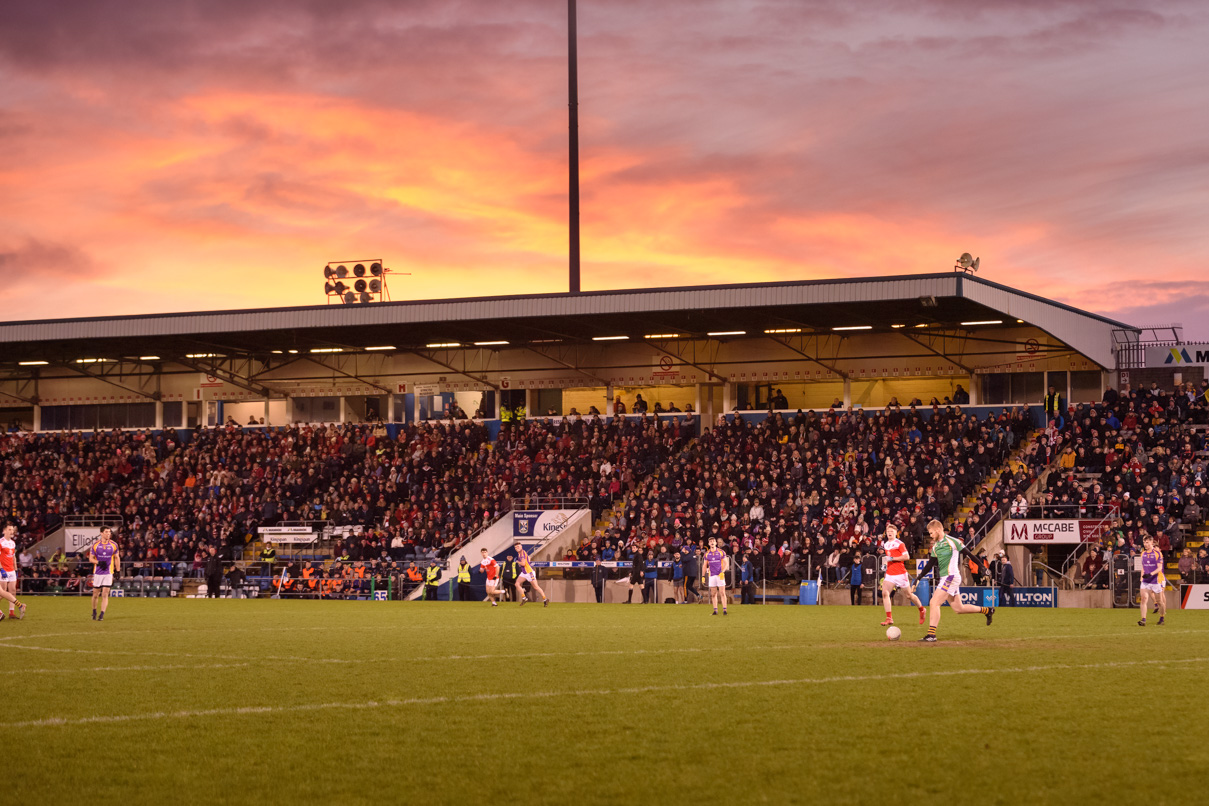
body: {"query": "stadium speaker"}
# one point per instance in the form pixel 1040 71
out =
pixel 375 286
pixel 967 262
pixel 360 286
pixel 364 297
pixel 329 272
pixel 334 288
pixel 350 296
pixel 359 270
pixel 342 271
pixel 375 269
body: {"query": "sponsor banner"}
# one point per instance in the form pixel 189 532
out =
pixel 287 535
pixel 1035 597
pixel 1184 355
pixel 1021 597
pixel 1068 531
pixel 79 539
pixel 1195 597
pixel 541 524
pixel 979 596
pixel 427 389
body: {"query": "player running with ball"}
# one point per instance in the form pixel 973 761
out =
pixel 896 574
pixel 946 558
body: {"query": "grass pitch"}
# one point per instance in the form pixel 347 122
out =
pixel 372 702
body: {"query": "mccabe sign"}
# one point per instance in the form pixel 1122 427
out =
pixel 1184 355
pixel 1052 531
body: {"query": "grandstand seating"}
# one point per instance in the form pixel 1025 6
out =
pixel 795 489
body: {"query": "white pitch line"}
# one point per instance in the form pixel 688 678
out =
pixel 169 667
pixel 108 719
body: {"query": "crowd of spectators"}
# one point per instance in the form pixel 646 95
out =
pixel 791 495
pixel 1139 460
pixel 796 494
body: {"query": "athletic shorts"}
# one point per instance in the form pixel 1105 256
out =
pixel 1153 587
pixel 950 585
pixel 102 580
pixel 8 576
pixel 717 581
pixel 899 580
pixel 527 576
pixel 492 583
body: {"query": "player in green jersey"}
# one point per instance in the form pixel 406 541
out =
pixel 946 559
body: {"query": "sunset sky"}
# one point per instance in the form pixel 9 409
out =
pixel 162 155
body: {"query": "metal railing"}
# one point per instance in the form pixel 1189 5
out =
pixel 548 502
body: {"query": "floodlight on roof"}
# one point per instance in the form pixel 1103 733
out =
pixel 610 338
pixel 32 363
pixel 854 327
pixel 369 283
pixel 967 263
pixel 983 322
pixel 727 333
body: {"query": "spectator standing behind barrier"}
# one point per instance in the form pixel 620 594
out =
pixel 463 580
pixel 747 580
pixel 268 556
pixel 692 570
pixel 854 581
pixel 432 578
pixel 1187 563
pixel 1007 578
pixel 213 574
pixel 599 576
pixel 678 578
pixel 510 573
pixel 649 574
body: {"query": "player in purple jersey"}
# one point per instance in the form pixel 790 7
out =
pixel 106 562
pixel 528 574
pixel 714 567
pixel 1153 580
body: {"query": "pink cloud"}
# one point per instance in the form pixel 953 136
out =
pixel 234 146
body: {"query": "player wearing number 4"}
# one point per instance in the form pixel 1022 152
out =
pixel 8 573
pixel 946 558
pixel 1153 580
pixel 896 574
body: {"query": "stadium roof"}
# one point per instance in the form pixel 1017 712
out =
pixel 943 299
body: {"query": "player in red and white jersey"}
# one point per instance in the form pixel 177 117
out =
pixel 491 570
pixel 896 573
pixel 8 573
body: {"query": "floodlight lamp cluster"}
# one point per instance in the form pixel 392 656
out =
pixel 363 281
pixel 967 263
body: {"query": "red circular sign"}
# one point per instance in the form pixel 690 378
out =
pixel 1031 346
pixel 666 363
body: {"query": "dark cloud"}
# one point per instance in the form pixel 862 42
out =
pixel 34 262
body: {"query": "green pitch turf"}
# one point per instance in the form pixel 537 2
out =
pixel 364 702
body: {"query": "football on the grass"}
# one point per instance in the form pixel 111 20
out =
pixel 893 633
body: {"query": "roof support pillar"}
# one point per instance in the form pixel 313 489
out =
pixel 975 390
pixel 390 408
pixel 847 391
pixel 38 417
pixel 159 415
pixel 343 409
pixel 726 396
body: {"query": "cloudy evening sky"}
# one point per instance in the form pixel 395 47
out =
pixel 164 155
